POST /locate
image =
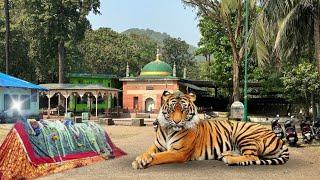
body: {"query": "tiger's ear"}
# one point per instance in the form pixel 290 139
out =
pixel 191 96
pixel 166 95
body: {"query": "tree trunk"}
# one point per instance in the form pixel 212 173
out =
pixel 7 46
pixel 316 35
pixel 236 80
pixel 235 69
pixel 317 39
pixel 61 55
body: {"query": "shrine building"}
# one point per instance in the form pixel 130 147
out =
pixel 142 94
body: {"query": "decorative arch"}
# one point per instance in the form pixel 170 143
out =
pixel 149 105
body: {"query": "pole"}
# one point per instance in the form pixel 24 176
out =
pixel 6 11
pixel 245 114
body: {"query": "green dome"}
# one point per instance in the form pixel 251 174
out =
pixel 156 68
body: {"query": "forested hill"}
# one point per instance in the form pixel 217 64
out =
pixel 158 37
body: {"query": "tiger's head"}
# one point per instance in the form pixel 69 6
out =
pixel 178 111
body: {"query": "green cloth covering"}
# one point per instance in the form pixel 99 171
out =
pixel 58 140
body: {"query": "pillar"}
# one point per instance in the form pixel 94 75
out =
pixel 96 106
pixel 66 98
pixel 96 96
pixel 49 96
pixel 66 104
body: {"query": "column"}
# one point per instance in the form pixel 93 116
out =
pixel 106 98
pixel 49 96
pixel 66 104
pixel 66 95
pixel 96 106
pixel 96 95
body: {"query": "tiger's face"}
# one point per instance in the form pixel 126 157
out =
pixel 178 111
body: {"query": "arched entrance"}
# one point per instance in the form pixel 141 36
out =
pixel 149 105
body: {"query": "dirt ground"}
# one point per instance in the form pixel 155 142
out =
pixel 304 163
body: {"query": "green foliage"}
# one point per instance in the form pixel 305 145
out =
pixel 285 29
pixel 214 44
pixel 159 38
pixel 227 16
pixel 301 82
pixel 176 51
pixel 106 51
pixel 36 29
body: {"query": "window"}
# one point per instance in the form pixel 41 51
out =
pixel 34 95
pixel 25 100
pixel 135 102
pixel 7 102
pixel 149 88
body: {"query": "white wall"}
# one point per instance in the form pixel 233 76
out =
pixel 34 106
pixel 1 99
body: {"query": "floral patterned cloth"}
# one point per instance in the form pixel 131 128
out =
pixel 16 155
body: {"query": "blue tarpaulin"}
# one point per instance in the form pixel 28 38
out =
pixel 12 82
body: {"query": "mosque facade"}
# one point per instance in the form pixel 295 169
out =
pixel 142 94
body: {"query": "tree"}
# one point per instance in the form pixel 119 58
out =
pixel 60 21
pixel 19 61
pixel 6 9
pixel 176 51
pixel 106 51
pixel 294 23
pixel 229 16
pixel 215 44
pixel 301 84
pixel 143 50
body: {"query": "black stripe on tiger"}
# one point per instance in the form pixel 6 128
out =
pixel 284 157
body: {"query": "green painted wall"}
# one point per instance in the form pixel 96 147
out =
pixel 84 107
pixel 82 80
pixel 106 82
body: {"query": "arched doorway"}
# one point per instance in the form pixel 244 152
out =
pixel 149 105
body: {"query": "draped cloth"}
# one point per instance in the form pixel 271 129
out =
pixel 23 155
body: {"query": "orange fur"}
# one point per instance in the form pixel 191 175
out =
pixel 214 139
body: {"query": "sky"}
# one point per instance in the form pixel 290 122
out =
pixel 168 16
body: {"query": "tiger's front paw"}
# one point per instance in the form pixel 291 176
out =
pixel 142 161
pixel 227 153
pixel 227 160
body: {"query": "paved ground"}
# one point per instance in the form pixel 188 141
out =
pixel 304 163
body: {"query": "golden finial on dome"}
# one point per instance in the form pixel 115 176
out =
pixel 158 54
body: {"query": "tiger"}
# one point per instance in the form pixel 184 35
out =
pixel 182 136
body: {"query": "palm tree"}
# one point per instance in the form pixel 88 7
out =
pixel 285 28
pixel 291 22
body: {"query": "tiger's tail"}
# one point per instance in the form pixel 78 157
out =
pixel 283 158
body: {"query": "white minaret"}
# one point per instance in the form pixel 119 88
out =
pixel 174 71
pixel 127 70
pixel 184 73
